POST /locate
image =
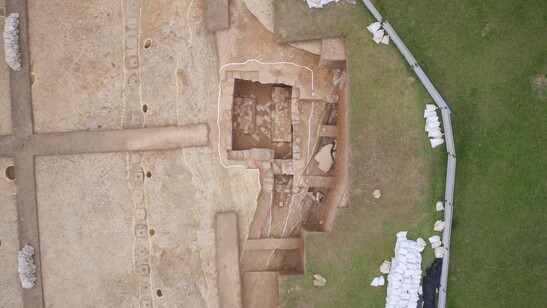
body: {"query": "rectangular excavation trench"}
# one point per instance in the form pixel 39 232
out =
pixel 259 121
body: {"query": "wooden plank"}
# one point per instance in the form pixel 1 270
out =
pixel 227 246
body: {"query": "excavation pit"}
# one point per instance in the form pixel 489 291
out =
pixel 261 117
pixel 10 173
pixel 147 44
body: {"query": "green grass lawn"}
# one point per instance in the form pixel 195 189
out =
pixel 488 61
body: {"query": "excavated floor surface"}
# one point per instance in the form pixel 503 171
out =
pixel 84 201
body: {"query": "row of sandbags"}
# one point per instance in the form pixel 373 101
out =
pixel 433 125
pixel 11 41
pixel 27 269
pixel 378 34
pixel 404 273
pixel 404 270
pixel 318 4
pixel 435 240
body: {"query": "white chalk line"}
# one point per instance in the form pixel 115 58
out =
pixel 289 213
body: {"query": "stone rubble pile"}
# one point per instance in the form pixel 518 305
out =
pixel 433 125
pixel 378 34
pixel 11 41
pixel 27 269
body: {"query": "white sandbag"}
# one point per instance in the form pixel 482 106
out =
pixel 404 244
pixel 375 282
pixel 385 267
pixel 435 133
pixel 432 125
pixel 379 34
pixel 318 4
pixel 11 41
pixel 376 194
pixel 381 280
pixel 435 142
pixel 26 268
pixel 377 40
pixel 414 297
pixel 373 27
pixel 430 107
pixel 439 252
pixel 319 277
pixel 385 40
pixel 439 206
pixel 429 113
pixel 439 226
pixel 432 119
pixel 396 275
pixel 436 244
pixel 434 238
pixel 401 236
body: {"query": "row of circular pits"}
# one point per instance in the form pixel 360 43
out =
pixel 132 42
pixel 147 45
pixel 142 231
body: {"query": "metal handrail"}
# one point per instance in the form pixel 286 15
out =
pixel 451 150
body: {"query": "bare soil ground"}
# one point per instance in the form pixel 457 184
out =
pixel 76 229
pixel 86 202
pixel 78 65
pixel 9 243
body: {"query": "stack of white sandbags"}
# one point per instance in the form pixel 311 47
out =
pixel 11 41
pixel 436 244
pixel 405 273
pixel 318 4
pixel 378 34
pixel 433 125
pixel 27 269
